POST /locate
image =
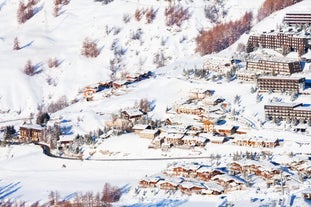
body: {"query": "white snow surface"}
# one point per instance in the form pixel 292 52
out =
pixel 45 36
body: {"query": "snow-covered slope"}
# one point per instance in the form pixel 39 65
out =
pixel 44 36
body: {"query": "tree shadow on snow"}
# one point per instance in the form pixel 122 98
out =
pixel 8 190
pixel 27 45
pixel 2 4
pixel 37 9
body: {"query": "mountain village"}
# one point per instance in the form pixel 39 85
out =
pixel 227 147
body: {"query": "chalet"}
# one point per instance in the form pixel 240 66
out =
pixel 31 133
pixel 123 124
pixel 65 139
pixel 170 183
pixel 137 128
pixel 190 187
pixel 213 101
pixel 173 138
pixel 246 75
pixel 225 130
pixel 212 188
pixel 208 126
pixel 229 183
pixel 149 133
pixel 263 169
pixel 157 142
pixel 150 182
pixel 306 193
pixel 132 114
pixel 184 170
pixel 88 93
pixel 256 142
pixel 216 139
pixel 193 109
pixel 194 141
pixel 200 94
pixel 206 173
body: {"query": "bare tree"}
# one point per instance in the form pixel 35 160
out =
pixel 29 68
pixel 16 44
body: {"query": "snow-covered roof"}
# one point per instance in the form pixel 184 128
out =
pixel 133 112
pixel 194 138
pixel 140 126
pixel 149 131
pixel 32 126
pixel 212 185
pixel 280 77
pixel 66 138
pixel 283 104
pixel 303 108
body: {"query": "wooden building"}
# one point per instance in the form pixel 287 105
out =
pixel 287 111
pixel 150 182
pixel 281 84
pixel 225 130
pixel 200 93
pixel 208 126
pixel 297 18
pixel 256 142
pixel 246 75
pixel 88 93
pixel 274 66
pixel 149 133
pixel 132 114
pixel 206 173
pixel 287 42
pixel 31 133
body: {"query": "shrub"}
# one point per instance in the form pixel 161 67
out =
pixel 270 6
pixel 24 12
pixel 53 63
pixel 222 35
pixel 176 15
pixel 150 15
pixel 16 44
pixel 89 48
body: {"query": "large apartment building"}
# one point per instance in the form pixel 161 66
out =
pixel 297 17
pixel 281 84
pixel 287 42
pixel 284 111
pixel 277 66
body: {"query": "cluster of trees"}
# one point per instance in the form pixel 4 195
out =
pixel 58 4
pixel 222 35
pixel 176 15
pixel 29 69
pixel 215 11
pixel 89 48
pixel 25 11
pixel 150 14
pixel 58 105
pixel 270 6
pixel 16 44
pixel 109 195
pixel 53 62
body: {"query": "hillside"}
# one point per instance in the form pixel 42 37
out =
pixel 45 36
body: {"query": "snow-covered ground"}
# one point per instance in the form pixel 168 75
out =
pixel 44 36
